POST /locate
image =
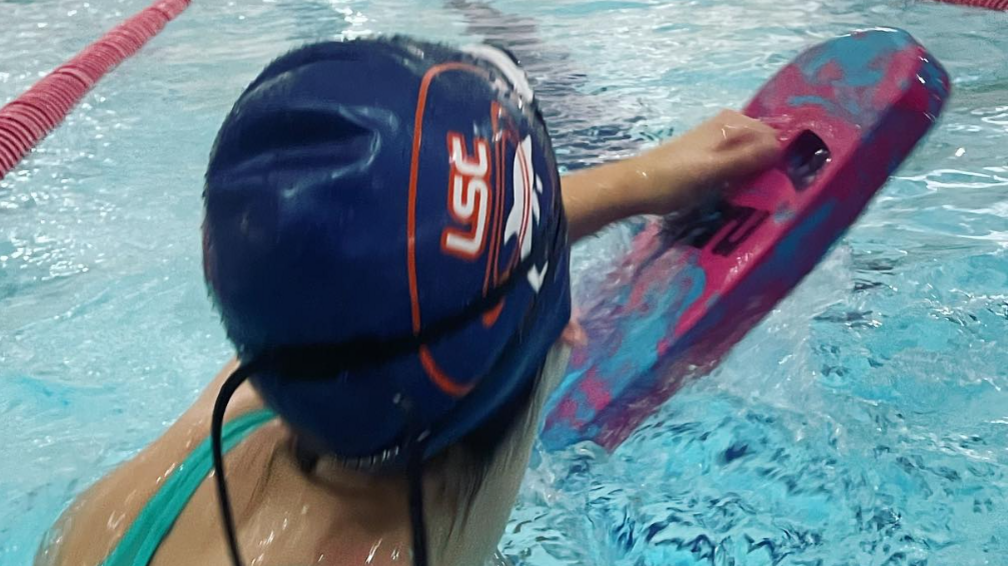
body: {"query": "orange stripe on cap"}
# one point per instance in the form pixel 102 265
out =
pixel 490 317
pixel 437 376
pixel 495 196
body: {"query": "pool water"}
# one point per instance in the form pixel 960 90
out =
pixel 865 422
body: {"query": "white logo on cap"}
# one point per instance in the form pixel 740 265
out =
pixel 515 75
pixel 524 214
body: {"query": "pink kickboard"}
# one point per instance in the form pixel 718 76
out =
pixel 849 112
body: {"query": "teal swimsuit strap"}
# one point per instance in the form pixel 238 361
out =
pixel 156 519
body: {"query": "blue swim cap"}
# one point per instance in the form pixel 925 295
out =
pixel 385 237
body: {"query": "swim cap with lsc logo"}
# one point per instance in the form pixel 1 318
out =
pixel 386 243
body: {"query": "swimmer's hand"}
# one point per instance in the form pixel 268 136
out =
pixel 675 176
pixel 722 150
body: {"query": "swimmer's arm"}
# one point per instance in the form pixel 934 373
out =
pixel 97 520
pixel 671 177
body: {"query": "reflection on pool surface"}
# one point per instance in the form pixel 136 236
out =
pixel 863 422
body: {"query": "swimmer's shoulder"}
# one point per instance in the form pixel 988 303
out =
pixel 96 521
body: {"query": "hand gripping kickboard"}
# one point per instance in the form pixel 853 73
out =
pixel 849 112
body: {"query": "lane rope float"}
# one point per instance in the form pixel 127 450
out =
pixel 28 118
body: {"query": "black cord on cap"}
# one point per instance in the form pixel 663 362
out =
pixel 414 471
pixel 414 475
pixel 227 390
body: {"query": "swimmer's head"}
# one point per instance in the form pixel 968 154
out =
pixel 386 242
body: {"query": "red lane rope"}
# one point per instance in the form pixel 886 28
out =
pixel 28 118
pixel 989 4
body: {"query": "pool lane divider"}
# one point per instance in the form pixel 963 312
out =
pixel 988 4
pixel 27 119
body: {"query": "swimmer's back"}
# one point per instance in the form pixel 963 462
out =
pixel 307 522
